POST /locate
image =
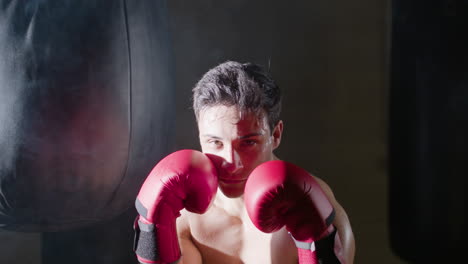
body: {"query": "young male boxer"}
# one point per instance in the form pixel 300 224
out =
pixel 265 210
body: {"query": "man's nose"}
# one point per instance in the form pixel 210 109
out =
pixel 231 161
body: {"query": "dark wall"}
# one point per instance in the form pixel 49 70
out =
pixel 330 59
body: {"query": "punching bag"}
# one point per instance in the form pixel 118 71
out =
pixel 429 130
pixel 86 108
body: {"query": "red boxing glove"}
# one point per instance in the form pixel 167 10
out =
pixel 184 179
pixel 279 194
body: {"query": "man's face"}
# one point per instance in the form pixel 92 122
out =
pixel 236 144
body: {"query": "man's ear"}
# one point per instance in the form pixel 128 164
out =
pixel 277 133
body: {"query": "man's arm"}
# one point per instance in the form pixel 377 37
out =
pixel 183 179
pixel 279 193
pixel 190 253
pixel 342 224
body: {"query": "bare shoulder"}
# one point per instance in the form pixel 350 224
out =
pixel 326 188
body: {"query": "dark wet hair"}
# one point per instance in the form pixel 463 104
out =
pixel 245 85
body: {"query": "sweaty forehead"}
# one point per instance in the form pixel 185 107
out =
pixel 228 120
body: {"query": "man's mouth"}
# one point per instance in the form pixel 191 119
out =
pixel 231 180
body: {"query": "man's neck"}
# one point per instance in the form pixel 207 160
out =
pixel 232 206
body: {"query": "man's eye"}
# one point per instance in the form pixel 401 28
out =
pixel 249 142
pixel 216 143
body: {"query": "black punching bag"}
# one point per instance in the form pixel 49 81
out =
pixel 86 108
pixel 429 130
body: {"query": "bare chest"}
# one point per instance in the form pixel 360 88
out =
pixel 223 238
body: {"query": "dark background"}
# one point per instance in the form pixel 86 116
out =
pixel 331 60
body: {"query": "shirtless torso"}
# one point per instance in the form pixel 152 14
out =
pixel 225 234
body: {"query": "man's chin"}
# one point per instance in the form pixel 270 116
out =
pixel 232 191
